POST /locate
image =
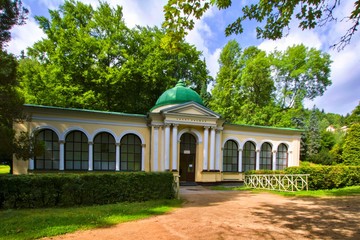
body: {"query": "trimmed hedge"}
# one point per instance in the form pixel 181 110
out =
pixel 57 190
pixel 321 176
pixel 328 177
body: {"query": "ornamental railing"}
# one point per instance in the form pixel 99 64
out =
pixel 278 182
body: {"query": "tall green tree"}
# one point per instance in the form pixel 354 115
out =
pixel 300 73
pixel 313 137
pixel 274 17
pixel 11 105
pixel 351 150
pixel 11 101
pixel 243 87
pixel 354 117
pixel 91 59
pixel 226 95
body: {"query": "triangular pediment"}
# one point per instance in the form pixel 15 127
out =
pixel 190 109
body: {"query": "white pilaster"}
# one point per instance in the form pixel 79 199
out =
pixel 174 147
pixel 240 160
pixel 142 157
pixel 217 150
pixel 62 154
pixel 162 160
pixel 31 164
pixel 206 145
pixel 117 157
pixel 257 167
pixel 156 149
pixel 212 148
pixel 290 159
pixel 167 147
pixel 274 161
pixel 91 146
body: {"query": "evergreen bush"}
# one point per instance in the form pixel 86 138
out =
pixel 58 190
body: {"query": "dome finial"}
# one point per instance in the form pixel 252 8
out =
pixel 180 83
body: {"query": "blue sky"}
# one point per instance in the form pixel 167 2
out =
pixel 208 36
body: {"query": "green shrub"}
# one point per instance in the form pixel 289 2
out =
pixel 51 190
pixel 328 177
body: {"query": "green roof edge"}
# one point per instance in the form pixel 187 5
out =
pixel 87 110
pixel 266 127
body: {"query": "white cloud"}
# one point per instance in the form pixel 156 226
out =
pixel 199 37
pixel 309 38
pixel 24 36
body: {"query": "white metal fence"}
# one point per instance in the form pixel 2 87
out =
pixel 278 182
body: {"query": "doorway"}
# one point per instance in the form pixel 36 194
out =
pixel 187 158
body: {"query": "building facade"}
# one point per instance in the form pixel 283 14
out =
pixel 179 134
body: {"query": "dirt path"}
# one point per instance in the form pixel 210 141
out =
pixel 210 214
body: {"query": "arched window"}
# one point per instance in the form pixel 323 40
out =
pixel 76 151
pixel 249 157
pixel 130 153
pixel 104 152
pixel 230 157
pixel 49 159
pixel 282 157
pixel 266 156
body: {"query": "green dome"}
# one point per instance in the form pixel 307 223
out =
pixel 177 95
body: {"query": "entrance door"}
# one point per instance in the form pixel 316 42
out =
pixel 187 158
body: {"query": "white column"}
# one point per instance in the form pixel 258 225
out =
pixel 240 160
pixel 212 149
pixel 167 147
pixel 162 160
pixel 257 159
pixel 31 164
pixel 156 149
pixel 174 147
pixel 117 156
pixel 217 150
pixel 62 154
pixel 206 144
pixel 142 157
pixel 91 156
pixel 274 160
pixel 290 159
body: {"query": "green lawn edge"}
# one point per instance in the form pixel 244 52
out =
pixel 24 224
pixel 338 192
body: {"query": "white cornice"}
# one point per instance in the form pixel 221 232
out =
pixel 260 134
pixel 70 120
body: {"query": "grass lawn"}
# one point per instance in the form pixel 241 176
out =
pixel 37 223
pixel 4 169
pixel 347 191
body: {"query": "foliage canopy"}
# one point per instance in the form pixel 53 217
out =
pixel 91 59
pixel 274 17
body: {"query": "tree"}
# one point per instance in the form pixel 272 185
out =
pixel 225 94
pixel 327 140
pixel 300 73
pixel 11 102
pixel 91 59
pixel 313 137
pixel 351 150
pixel 276 15
pixel 11 13
pixel 354 117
